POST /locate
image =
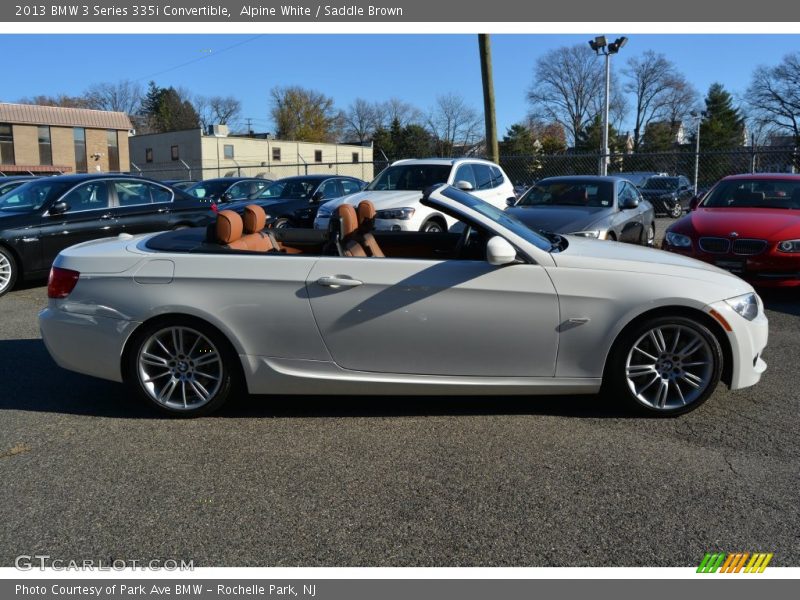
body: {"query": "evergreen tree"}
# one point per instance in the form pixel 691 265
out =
pixel 518 141
pixel 722 127
pixel 166 110
pixel 590 138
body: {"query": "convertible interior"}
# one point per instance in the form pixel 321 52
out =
pixel 351 233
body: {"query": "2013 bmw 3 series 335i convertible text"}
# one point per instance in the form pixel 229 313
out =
pixel 189 318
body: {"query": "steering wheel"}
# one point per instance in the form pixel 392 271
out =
pixel 462 241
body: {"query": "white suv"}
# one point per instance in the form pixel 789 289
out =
pixel 396 192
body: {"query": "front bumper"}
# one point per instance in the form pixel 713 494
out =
pixel 748 340
pixel 85 344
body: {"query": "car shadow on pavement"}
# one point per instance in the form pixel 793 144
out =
pixel 781 300
pixel 31 381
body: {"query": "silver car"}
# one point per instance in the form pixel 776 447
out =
pixel 605 208
pixel 187 319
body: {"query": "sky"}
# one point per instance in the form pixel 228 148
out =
pixel 414 68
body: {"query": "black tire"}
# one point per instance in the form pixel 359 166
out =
pixel 282 223
pixel 676 211
pixel 618 384
pixel 8 271
pixel 433 226
pixel 611 236
pixel 230 374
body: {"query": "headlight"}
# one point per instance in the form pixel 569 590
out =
pixel 789 246
pixel 594 233
pixel 678 240
pixel 746 306
pixel 403 214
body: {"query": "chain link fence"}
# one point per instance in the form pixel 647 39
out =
pixel 705 168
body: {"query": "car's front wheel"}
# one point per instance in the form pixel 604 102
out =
pixel 665 366
pixel 282 223
pixel 650 235
pixel 181 366
pixel 433 226
pixel 676 211
pixel 8 271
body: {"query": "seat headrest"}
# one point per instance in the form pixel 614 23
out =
pixel 255 219
pixel 229 226
pixel 348 219
pixel 366 214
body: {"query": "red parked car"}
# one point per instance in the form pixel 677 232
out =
pixel 746 224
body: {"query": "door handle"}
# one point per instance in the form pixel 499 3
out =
pixel 337 282
pixel 106 216
pixel 163 210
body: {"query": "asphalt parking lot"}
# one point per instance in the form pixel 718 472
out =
pixel 88 473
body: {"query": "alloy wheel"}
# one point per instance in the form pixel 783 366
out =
pixel 5 272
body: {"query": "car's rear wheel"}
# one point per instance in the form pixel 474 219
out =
pixel 433 226
pixel 8 271
pixel 183 367
pixel 665 366
pixel 282 223
pixel 676 211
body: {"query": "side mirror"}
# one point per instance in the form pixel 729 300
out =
pixel 317 197
pixel 226 197
pixel 500 252
pixel 694 203
pixel 59 208
pixel 511 201
pixel 464 186
pixel 629 203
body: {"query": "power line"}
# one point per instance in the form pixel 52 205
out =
pixel 199 58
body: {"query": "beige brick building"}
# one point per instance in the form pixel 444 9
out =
pixel 49 139
pixel 195 154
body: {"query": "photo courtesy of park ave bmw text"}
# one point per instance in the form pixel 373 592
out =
pixel 399 299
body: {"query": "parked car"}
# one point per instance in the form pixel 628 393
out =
pixel 315 312
pixel 42 217
pixel 179 184
pixel 668 195
pixel 605 208
pixel 397 191
pixel 228 189
pixel 747 224
pixel 294 201
pixel 638 178
pixel 13 181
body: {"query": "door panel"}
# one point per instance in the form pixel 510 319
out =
pixel 436 317
pixel 142 207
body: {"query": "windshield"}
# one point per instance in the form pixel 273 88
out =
pixel 410 177
pixel 755 193
pixel 292 189
pixel 661 183
pixel 498 216
pixel 33 195
pixel 209 189
pixel 569 192
pixel 10 185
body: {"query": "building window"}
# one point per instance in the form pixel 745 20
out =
pixel 79 139
pixel 148 155
pixel 355 157
pixel 45 146
pixel 276 154
pixel 6 144
pixel 317 155
pixel 113 150
pixel 228 151
pixel 175 154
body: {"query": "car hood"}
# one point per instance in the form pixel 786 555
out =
pixel 559 219
pixel 381 199
pixel 763 223
pixel 583 253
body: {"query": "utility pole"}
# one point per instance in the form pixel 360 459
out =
pixel 485 49
pixel 249 126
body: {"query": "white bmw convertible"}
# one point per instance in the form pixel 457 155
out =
pixel 188 318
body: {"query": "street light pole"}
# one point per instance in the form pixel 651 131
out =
pixel 600 46
pixel 698 116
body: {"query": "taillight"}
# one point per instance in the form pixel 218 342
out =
pixel 61 282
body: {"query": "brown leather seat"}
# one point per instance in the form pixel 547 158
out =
pixel 254 221
pixel 348 230
pixel 366 224
pixel 229 230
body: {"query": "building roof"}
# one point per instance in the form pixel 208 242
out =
pixel 35 114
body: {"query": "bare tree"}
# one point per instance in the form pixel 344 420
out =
pixel 61 100
pixel 396 109
pixel 682 98
pixel 303 114
pixel 453 123
pixel 221 110
pixel 568 82
pixel 123 96
pixel 361 119
pixel 774 96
